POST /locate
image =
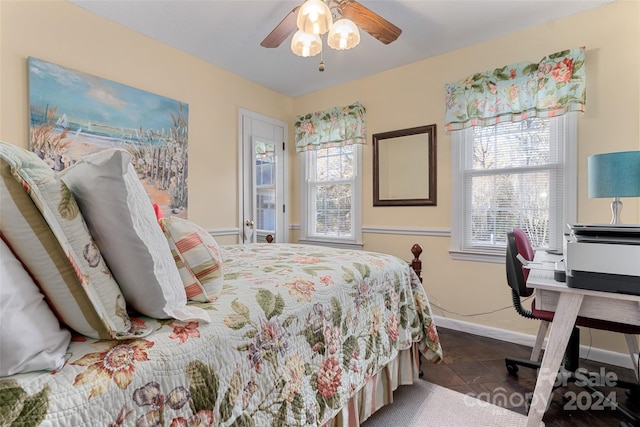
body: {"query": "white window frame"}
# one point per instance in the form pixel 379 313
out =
pixel 458 220
pixel 354 241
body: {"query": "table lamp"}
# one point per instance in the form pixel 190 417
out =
pixel 614 175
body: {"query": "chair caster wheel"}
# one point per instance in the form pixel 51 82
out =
pixel 512 369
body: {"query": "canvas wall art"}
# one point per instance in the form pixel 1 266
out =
pixel 72 114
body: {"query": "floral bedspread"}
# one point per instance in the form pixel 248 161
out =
pixel 297 330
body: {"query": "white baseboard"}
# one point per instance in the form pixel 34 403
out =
pixel 590 353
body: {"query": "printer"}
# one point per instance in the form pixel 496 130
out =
pixel 603 257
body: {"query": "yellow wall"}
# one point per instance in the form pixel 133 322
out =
pixel 409 96
pixel 413 95
pixel 65 34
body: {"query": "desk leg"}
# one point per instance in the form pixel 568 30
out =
pixel 561 327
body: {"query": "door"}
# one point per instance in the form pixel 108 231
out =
pixel 262 178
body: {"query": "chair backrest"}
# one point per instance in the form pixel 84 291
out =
pixel 518 243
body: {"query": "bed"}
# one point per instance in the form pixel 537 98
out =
pixel 298 335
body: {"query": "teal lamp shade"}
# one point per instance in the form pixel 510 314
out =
pixel 614 175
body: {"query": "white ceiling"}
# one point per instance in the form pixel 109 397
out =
pixel 228 33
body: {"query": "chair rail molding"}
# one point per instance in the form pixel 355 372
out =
pixel 224 232
pixel 413 231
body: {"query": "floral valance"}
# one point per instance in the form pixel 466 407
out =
pixel 330 128
pixel 552 87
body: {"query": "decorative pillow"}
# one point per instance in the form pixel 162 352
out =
pixel 197 256
pixel 30 335
pixel 122 220
pixel 158 211
pixel 41 221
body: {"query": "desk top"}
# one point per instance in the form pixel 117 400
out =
pixel 541 277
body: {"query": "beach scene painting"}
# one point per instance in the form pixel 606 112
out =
pixel 72 114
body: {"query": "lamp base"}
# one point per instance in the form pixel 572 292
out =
pixel 616 211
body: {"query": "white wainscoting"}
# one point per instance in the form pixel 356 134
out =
pixel 590 353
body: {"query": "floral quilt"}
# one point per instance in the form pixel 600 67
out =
pixel 297 330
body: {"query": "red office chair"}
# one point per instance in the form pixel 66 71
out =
pixel 519 245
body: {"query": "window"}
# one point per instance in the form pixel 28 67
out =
pixel 515 174
pixel 266 194
pixel 331 196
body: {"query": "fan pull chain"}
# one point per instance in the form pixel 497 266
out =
pixel 321 66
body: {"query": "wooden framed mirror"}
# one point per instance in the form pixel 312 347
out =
pixel 404 167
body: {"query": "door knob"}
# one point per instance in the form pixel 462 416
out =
pixel 249 223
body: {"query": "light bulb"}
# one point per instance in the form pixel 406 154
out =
pixel 305 44
pixel 343 35
pixel 314 17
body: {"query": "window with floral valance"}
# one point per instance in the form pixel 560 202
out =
pixel 337 126
pixel 551 87
pixel 513 151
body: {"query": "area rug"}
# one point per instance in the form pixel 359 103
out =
pixel 424 404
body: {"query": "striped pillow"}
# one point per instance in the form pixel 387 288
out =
pixel 197 257
pixel 45 229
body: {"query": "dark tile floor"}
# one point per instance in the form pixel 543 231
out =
pixel 475 365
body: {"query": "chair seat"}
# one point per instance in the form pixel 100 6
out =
pixel 587 322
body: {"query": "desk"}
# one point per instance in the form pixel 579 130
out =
pixel 568 303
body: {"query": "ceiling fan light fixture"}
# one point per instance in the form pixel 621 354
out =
pixel 305 44
pixel 343 35
pixel 314 17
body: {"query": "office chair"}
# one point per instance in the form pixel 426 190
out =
pixel 519 246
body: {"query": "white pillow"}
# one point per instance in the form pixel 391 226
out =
pixel 123 223
pixel 31 338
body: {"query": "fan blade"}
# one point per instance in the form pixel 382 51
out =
pixel 370 21
pixel 282 30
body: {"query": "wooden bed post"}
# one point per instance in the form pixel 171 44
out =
pixel 416 263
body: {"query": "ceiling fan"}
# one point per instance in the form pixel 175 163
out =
pixel 344 10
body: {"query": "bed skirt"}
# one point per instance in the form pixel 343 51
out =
pixel 378 390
